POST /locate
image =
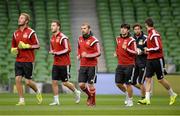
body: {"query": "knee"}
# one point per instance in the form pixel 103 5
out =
pixel 28 82
pixel 128 85
pixel 82 86
pixel 18 79
pixel 160 81
pixel 54 82
pixel 65 83
pixel 119 85
pixel 148 80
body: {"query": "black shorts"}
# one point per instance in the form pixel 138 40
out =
pixel 139 75
pixel 156 66
pixel 124 74
pixel 87 74
pixel 24 69
pixel 61 73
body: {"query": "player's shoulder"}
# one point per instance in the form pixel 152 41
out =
pixel 94 38
pixel 30 30
pixel 118 37
pixel 154 34
pixel 16 31
pixel 63 36
pixel 144 35
pixel 132 38
pixel 80 38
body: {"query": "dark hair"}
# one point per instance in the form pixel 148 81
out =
pixel 86 24
pixel 127 26
pixel 149 22
pixel 137 25
pixel 57 22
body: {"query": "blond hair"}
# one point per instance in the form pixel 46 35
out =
pixel 26 16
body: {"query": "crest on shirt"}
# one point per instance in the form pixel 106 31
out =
pixel 140 42
pixel 58 38
pixel 25 35
pixel 119 41
pixel 88 42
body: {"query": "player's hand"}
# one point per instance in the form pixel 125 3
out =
pixel 84 54
pixel 139 51
pixel 78 57
pixel 145 50
pixel 14 51
pixel 22 45
pixel 115 55
pixel 51 52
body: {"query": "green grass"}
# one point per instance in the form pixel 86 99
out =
pixel 106 105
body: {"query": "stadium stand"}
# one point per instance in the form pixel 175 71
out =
pixel 107 33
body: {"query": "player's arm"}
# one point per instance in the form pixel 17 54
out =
pixel 144 45
pixel 132 48
pixel 156 48
pixel 115 54
pixel 96 46
pixel 66 48
pixel 51 49
pixel 78 52
pixel 116 50
pixel 34 43
pixel 14 49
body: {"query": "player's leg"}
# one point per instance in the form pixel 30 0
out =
pixel 122 87
pixel 28 69
pixel 149 73
pixel 72 88
pixel 65 76
pixel 20 90
pixel 18 79
pixel 55 79
pixel 33 86
pixel 91 81
pixel 119 80
pixel 82 79
pixel 143 91
pixel 146 101
pixel 129 73
pixel 164 82
pixel 135 77
pixel 55 88
pixel 92 100
pixel 141 79
pixel 86 90
pixel 172 94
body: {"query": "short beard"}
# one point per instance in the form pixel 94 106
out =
pixel 21 24
pixel 124 35
pixel 54 31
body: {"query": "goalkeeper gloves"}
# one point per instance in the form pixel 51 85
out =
pixel 14 51
pixel 22 45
